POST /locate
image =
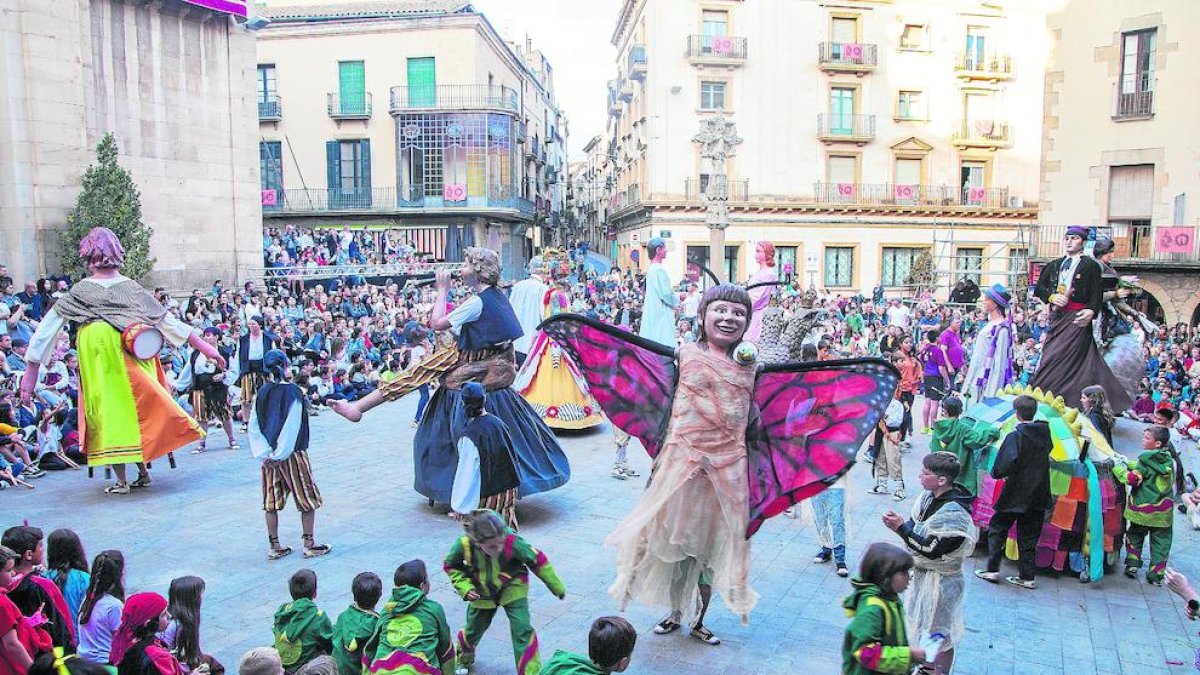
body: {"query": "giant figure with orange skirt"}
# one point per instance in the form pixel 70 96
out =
pixel 126 412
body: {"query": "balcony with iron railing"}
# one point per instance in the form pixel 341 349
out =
pixel 981 134
pixel 846 57
pixel 404 99
pixel 738 188
pixel 1133 105
pixel 716 50
pixel 614 103
pixel 858 129
pixel 890 194
pixel 625 92
pixel 1151 245
pixel 270 109
pixel 993 67
pixel 392 200
pixel 637 62
pixel 349 106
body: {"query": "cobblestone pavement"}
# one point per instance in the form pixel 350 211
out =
pixel 204 518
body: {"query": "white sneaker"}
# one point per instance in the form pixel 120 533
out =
pixel 629 471
pixel 618 472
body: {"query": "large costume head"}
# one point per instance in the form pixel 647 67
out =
pixel 764 253
pixel 1103 246
pixel 100 249
pixel 483 265
pixel 999 296
pixel 537 265
pixel 727 293
pixel 655 248
pixel 473 396
pixel 1074 238
pixel 276 364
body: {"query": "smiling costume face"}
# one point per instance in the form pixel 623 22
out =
pixel 724 316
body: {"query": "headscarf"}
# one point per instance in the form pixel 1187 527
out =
pixel 138 611
pixel 275 363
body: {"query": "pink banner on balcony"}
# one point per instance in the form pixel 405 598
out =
pixel 845 190
pixel 1175 240
pixel 235 7
pixel 852 51
pixel 906 192
pixel 976 195
pixel 270 198
pixel 455 192
pixel 722 45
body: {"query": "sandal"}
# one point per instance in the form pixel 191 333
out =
pixel 312 550
pixel 705 635
pixel 118 489
pixel 275 552
pixel 667 625
pixel 141 481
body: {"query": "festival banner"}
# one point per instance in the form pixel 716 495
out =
pixel 906 193
pixel 270 198
pixel 852 52
pixel 1175 240
pixel 976 195
pixel 455 192
pixel 845 190
pixel 721 44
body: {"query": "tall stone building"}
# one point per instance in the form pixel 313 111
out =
pixel 173 80
pixel 1120 154
pixel 872 131
pixel 414 116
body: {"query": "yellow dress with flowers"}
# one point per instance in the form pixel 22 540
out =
pixel 551 382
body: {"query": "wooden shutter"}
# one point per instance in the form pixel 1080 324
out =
pixel 332 165
pixel 364 167
pixel 352 87
pixel 1131 192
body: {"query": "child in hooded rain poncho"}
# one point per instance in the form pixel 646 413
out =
pixel 876 640
pixel 412 634
pixel 1153 478
pixel 963 440
pixel 940 535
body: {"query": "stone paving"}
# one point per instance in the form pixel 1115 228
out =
pixel 204 518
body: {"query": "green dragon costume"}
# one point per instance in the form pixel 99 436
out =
pixel 350 633
pixel 876 640
pixel 411 637
pixel 1150 509
pixel 302 633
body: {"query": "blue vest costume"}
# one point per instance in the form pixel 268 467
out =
pixel 496 324
pixel 497 465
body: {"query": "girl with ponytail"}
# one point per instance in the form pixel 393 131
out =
pixel 100 612
pixel 68 569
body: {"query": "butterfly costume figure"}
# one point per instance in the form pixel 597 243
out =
pixel 733 443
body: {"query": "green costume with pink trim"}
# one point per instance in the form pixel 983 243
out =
pixel 412 637
pixel 876 640
pixel 1151 481
pixel 502 581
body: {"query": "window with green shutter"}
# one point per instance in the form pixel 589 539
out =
pixel 270 165
pixel 422 82
pixel 348 170
pixel 352 88
pixel 839 266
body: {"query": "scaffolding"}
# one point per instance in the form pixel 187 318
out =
pixel 948 263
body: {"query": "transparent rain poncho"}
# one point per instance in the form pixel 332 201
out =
pixel 936 593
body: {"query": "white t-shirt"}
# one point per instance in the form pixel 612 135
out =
pixel 899 316
pixel 465 313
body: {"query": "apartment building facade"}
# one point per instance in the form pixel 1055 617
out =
pixel 872 131
pixel 173 82
pixel 413 116
pixel 1118 153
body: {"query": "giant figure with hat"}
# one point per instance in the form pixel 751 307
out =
pixel 126 413
pixel 991 367
pixel 1071 361
pixel 658 310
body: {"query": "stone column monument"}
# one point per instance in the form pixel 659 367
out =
pixel 718 141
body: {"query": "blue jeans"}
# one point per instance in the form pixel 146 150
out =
pixel 829 511
pixel 422 402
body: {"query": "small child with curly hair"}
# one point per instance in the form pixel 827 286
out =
pixel 489 567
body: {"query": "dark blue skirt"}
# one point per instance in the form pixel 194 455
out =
pixel 541 463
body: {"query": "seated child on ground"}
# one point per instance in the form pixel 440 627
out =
pixel 412 634
pixel 610 648
pixel 302 631
pixel 355 625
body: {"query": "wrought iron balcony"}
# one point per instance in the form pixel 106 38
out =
pixel 625 93
pixel 1134 105
pixel 981 134
pixel 1134 244
pixel 890 194
pixel 846 57
pixel 270 109
pixel 453 97
pixel 974 66
pixel 739 188
pixel 352 107
pixel 614 103
pixel 637 62
pixel 716 50
pixel 393 200
pixel 859 129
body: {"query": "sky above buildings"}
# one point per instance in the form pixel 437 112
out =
pixel 574 35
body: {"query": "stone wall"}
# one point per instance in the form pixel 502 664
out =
pixel 175 84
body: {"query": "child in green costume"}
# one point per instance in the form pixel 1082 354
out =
pixel 489 568
pixel 876 640
pixel 412 635
pixel 356 624
pixel 1153 479
pixel 302 631
pixel 610 648
pixel 964 440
